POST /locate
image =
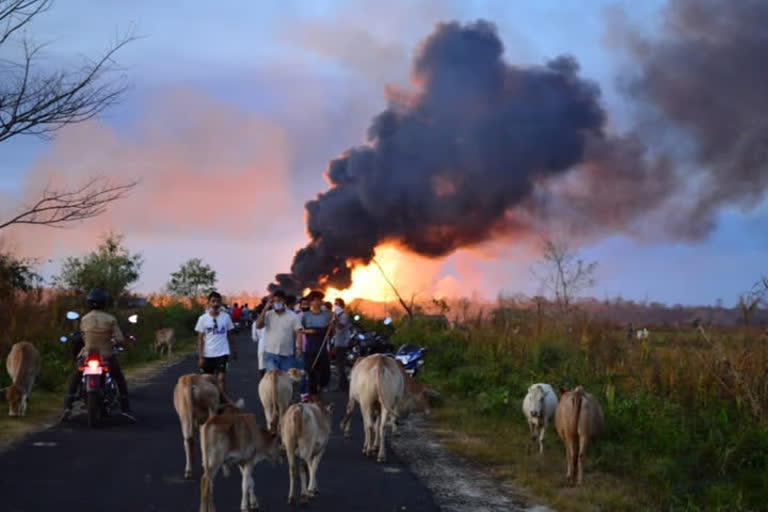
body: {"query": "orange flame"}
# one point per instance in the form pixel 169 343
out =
pixel 367 281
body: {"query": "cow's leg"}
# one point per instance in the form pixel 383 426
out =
pixel 346 422
pixel 579 460
pixel 383 419
pixel 189 451
pixel 568 457
pixel 23 405
pixel 248 499
pixel 369 426
pixel 314 463
pixel 291 456
pixel 542 428
pixel 303 470
pixel 206 489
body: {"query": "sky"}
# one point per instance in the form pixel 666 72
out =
pixel 235 109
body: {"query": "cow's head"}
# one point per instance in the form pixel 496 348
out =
pixel 295 374
pixel 17 401
pixel 537 394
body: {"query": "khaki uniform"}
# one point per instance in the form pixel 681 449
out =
pixel 98 328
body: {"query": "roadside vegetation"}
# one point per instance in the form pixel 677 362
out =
pixel 685 415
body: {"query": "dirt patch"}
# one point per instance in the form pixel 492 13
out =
pixel 457 484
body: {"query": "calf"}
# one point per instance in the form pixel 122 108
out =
pixel 578 420
pixel 305 431
pixel 196 398
pixel 232 436
pixel 539 407
pixel 379 384
pixel 23 365
pixel 164 339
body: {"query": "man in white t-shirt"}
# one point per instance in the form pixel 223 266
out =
pixel 214 340
pixel 282 328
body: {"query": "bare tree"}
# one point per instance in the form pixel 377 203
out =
pixel 563 273
pixel 35 102
pixel 751 300
pixel 58 208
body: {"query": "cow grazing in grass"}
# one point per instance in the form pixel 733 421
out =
pixel 305 430
pixel 275 392
pixel 539 408
pixel 23 365
pixel 234 437
pixel 164 340
pixel 579 420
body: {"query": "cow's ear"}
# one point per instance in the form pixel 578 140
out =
pixel 563 390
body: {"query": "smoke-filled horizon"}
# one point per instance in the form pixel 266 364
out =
pixel 485 149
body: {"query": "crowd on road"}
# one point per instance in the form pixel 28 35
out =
pixel 292 332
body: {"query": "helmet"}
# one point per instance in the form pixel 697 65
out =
pixel 97 298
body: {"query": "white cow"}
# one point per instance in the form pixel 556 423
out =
pixel 539 407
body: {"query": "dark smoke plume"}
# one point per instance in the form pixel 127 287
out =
pixel 446 163
pixel 486 149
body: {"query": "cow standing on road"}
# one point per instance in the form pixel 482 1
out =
pixel 23 365
pixel 275 392
pixel 305 431
pixel 195 398
pixel 165 339
pixel 232 436
pixel 378 384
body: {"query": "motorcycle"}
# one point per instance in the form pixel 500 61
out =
pixel 97 390
pixel 366 343
pixel 412 358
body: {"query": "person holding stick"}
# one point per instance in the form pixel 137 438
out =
pixel 317 327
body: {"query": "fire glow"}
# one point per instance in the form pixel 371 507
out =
pixel 368 281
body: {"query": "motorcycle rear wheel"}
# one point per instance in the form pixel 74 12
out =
pixel 93 404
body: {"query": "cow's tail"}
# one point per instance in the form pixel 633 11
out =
pixel 387 403
pixel 578 400
pixel 275 406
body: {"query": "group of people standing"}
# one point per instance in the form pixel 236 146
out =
pixel 291 332
pixel 299 333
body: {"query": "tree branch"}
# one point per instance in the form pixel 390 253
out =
pixel 408 310
pixel 14 14
pixel 34 103
pixel 56 209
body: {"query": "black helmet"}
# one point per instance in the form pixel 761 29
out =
pixel 97 298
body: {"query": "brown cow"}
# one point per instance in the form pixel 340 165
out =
pixel 379 384
pixel 275 392
pixel 196 398
pixel 232 436
pixel 578 421
pixel 164 339
pixel 305 431
pixel 23 365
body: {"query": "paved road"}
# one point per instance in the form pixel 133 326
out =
pixel 140 467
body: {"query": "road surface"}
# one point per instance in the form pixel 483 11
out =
pixel 140 467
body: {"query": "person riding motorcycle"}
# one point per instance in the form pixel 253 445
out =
pixel 97 328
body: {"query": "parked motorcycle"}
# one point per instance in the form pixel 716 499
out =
pixel 97 391
pixel 412 358
pixel 365 343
